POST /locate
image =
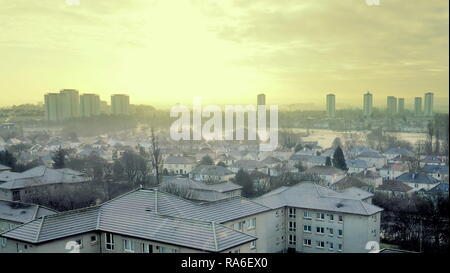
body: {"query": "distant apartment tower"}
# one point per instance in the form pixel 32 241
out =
pixel 52 107
pixel 418 106
pixel 331 105
pixel 70 103
pixel 368 104
pixel 261 99
pixel 401 105
pixel 89 105
pixel 120 104
pixel 428 107
pixel 104 107
pixel 391 105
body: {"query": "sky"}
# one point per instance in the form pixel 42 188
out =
pixel 163 52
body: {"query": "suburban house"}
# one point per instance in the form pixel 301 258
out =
pixel 373 159
pixel 357 166
pixel 317 219
pixel 179 164
pixel 351 181
pixel 39 180
pixel 431 160
pixel 393 188
pixel 396 152
pixel 249 166
pixel 307 161
pixel 327 173
pixel 418 181
pixel 200 191
pixel 149 221
pixel 211 174
pixel 439 172
pixel 393 170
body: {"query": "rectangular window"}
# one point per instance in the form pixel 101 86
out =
pixel 147 248
pixel 251 224
pixel 320 230
pixel 307 228
pixel 320 216
pixel 109 242
pixel 292 212
pixel 331 232
pixel 93 239
pixel 320 244
pixel 128 245
pixel 340 247
pixel 331 216
pixel 331 245
pixel 306 215
pixel 292 226
pixel 292 239
pixel 252 244
pixel 341 218
pixel 340 232
pixel 307 242
pixel 160 249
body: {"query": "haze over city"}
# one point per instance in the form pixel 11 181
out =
pixel 167 52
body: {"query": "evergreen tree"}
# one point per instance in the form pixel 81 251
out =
pixel 59 159
pixel 339 159
pixel 328 161
pixel 243 179
pixel 8 159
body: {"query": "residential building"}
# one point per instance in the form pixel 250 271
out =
pixel 179 164
pixel 320 220
pixel 373 159
pixel 428 107
pixel 391 105
pixel 327 173
pixel 418 106
pixel 331 105
pixel 211 174
pixel 70 103
pixel 89 105
pixel 148 221
pixel 120 104
pixel 418 181
pixel 401 105
pixel 37 181
pixel 261 99
pixel 393 188
pixel 52 107
pixel 368 104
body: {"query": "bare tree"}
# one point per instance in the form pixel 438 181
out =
pixel 156 156
pixel 179 190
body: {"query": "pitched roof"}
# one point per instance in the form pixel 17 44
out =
pixel 179 160
pixel 4 168
pixel 22 212
pixel 420 178
pixel 324 170
pixel 394 186
pixel 312 196
pixel 399 151
pixel 248 164
pixel 370 155
pixel 42 175
pixel 356 163
pixel 146 214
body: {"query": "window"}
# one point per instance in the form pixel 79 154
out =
pixel 251 224
pixel 306 215
pixel 93 239
pixel 331 216
pixel 277 213
pixel 340 232
pixel 307 242
pixel 292 239
pixel 320 216
pixel 147 248
pixel 16 195
pixel 320 230
pixel 109 242
pixel 292 226
pixel 341 218
pixel 331 231
pixel 252 244
pixel 239 225
pixel 306 228
pixel 3 242
pixel 292 212
pixel 160 249
pixel 340 247
pixel 331 245
pixel 374 218
pixel 128 245
pixel 320 244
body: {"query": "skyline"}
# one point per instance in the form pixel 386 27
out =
pixel 226 52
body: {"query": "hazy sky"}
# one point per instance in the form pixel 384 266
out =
pixel 162 52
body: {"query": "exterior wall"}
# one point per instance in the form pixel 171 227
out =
pixel 99 246
pixel 419 186
pixel 375 162
pixel 6 194
pixel 175 168
pixel 269 230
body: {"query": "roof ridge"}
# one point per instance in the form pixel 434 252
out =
pixel 216 244
pixel 39 229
